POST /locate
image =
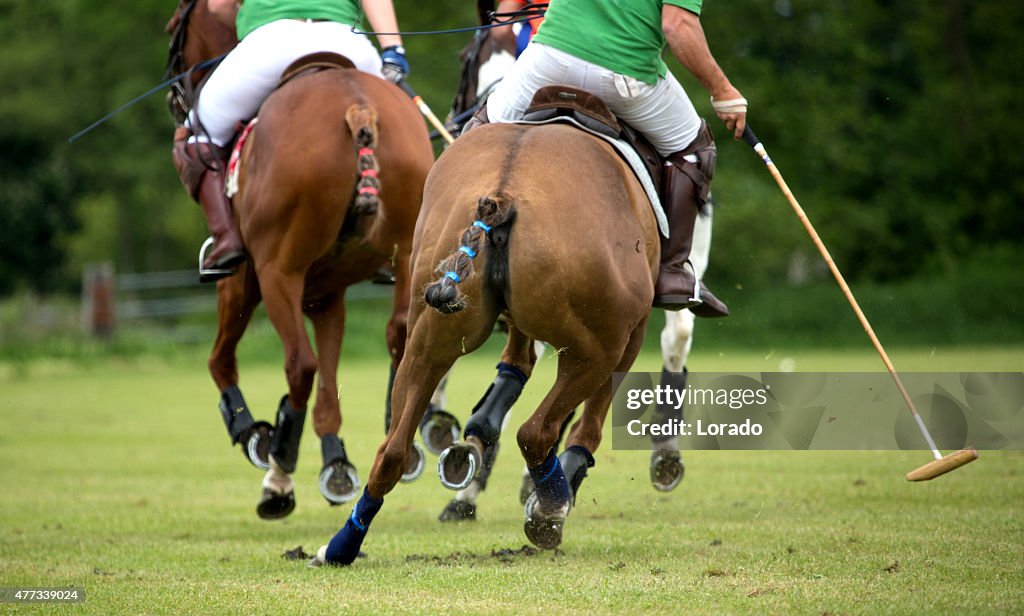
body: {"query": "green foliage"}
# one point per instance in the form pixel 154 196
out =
pixel 894 124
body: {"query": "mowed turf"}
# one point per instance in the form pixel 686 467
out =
pixel 118 478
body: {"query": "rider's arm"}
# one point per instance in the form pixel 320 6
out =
pixel 686 39
pixel 381 15
pixel 224 10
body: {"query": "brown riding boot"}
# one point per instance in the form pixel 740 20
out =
pixel 201 167
pixel 685 185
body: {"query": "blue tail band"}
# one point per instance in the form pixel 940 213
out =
pixel 482 225
pixel 469 251
pixel 453 276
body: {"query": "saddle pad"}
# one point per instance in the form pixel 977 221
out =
pixel 631 157
pixel 234 162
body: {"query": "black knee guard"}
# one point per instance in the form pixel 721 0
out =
pixel 575 461
pixel 235 413
pixel 489 413
pixel 332 449
pixel 284 447
pixel 668 413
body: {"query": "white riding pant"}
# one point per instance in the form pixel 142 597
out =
pixel 662 112
pixel 251 71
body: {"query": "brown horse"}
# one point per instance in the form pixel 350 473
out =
pixel 549 227
pixel 311 229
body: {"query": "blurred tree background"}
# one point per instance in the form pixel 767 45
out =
pixel 895 123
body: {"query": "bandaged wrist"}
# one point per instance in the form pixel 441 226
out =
pixel 733 105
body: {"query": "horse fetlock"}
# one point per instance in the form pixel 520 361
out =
pixel 284 446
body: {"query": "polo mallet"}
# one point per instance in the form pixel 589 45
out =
pixel 940 464
pixel 425 110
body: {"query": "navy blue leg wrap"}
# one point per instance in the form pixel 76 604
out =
pixel 489 413
pixel 550 482
pixel 344 546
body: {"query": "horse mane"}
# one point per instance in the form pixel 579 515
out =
pixel 494 214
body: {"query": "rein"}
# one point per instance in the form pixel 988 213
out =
pixel 529 12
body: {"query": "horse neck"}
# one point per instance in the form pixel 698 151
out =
pixel 198 36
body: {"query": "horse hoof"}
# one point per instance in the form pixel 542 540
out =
pixel 320 559
pixel 666 470
pixel 339 482
pixel 544 530
pixel 440 431
pixel 526 487
pixel 256 445
pixel 414 464
pixel 457 465
pixel 274 506
pixel 458 511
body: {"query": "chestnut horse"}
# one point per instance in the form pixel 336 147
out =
pixel 311 229
pixel 547 226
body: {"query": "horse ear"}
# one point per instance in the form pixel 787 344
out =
pixel 483 9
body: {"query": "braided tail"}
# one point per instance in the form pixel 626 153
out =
pixel 362 123
pixel 444 294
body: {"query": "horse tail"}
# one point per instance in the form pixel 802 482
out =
pixel 362 123
pixel 494 213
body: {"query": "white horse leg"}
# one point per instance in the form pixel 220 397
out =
pixel 676 342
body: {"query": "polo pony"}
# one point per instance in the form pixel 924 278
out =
pixel 329 185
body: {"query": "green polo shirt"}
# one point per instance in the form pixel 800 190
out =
pixel 255 13
pixel 621 35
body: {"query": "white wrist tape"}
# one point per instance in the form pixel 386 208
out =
pixel 734 105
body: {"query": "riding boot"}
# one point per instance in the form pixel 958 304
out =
pixel 685 187
pixel 201 167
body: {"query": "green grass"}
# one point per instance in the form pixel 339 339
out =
pixel 118 478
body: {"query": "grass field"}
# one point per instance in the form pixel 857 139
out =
pixel 118 479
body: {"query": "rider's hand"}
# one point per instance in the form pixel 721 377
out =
pixel 395 67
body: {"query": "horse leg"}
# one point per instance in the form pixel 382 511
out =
pixel 395 334
pixel 282 295
pixel 467 466
pixel 580 372
pixel 585 436
pixel 666 467
pixel 439 428
pixel 415 381
pixel 558 480
pixel 237 298
pixel 338 481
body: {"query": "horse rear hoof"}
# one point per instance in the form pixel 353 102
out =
pixel 339 482
pixel 458 511
pixel 414 464
pixel 256 445
pixel 544 531
pixel 457 465
pixel 667 470
pixel 440 431
pixel 275 506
